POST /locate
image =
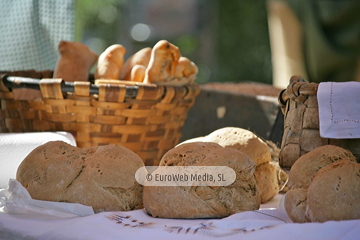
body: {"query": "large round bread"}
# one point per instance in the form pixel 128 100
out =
pixel 334 193
pixel 304 169
pixel 204 201
pixel 254 147
pixel 102 177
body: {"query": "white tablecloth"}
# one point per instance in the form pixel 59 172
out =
pixel 266 223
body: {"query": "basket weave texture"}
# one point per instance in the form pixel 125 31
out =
pixel 149 123
pixel 301 123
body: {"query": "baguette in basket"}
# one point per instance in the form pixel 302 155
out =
pixel 75 61
pixel 74 64
pixel 168 67
pixel 110 62
pixel 161 65
pixel 140 58
pixel 145 118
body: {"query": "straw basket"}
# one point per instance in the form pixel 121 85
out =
pixel 301 123
pixel 144 118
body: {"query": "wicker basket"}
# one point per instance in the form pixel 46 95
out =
pixel 301 123
pixel 146 119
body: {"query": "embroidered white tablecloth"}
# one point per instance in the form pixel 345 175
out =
pixel 266 223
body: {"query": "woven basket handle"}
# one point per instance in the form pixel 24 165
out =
pixel 133 90
pixel 298 90
pixel 9 82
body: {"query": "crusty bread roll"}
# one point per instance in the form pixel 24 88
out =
pixel 110 62
pixel 254 147
pixel 102 177
pixel 74 64
pixel 142 57
pixel 204 201
pixel 334 193
pixel 185 71
pixel 314 192
pixel 163 62
pixel 266 181
pixel 138 73
pixel 185 68
pixel 304 169
pixel 75 61
pixel 295 205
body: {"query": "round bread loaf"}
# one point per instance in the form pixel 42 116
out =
pixel 295 204
pixel 204 201
pixel 334 193
pixel 102 177
pixel 254 147
pixel 305 168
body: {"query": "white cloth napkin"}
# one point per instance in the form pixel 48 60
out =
pixel 339 109
pixel 14 147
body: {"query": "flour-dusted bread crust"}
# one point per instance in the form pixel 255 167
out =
pixel 204 201
pixel 243 140
pixel 102 177
pixel 266 181
pixel 334 193
pixel 304 169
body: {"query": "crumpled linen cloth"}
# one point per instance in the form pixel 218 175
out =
pixel 15 199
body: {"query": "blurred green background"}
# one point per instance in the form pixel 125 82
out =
pixel 228 40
